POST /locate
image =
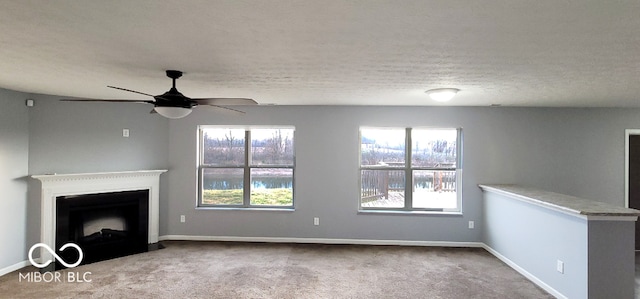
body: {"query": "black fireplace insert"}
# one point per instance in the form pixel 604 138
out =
pixel 104 225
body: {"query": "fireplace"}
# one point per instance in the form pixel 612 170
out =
pixel 104 225
pixel 86 205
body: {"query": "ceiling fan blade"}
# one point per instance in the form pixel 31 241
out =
pixel 107 100
pixel 166 103
pixel 129 90
pixel 222 109
pixel 225 101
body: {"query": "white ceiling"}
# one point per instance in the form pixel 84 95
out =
pixel 582 53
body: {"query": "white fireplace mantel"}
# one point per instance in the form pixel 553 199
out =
pixel 55 185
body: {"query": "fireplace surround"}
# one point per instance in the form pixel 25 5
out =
pixel 54 186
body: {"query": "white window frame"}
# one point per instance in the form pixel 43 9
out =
pixel 408 171
pixel 246 202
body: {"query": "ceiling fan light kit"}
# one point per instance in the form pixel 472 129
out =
pixel 173 112
pixel 442 94
pixel 173 104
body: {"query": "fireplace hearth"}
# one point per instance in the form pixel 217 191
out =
pixel 104 225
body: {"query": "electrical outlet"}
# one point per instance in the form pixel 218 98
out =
pixel 471 225
pixel 125 132
pixel 560 266
pixel 183 219
pixel 316 221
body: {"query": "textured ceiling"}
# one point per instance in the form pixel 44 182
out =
pixel 552 53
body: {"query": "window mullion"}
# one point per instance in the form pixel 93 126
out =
pixel 200 185
pixel 246 186
pixel 408 175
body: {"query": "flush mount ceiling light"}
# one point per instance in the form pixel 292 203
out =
pixel 172 112
pixel 442 94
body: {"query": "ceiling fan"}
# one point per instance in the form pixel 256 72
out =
pixel 173 104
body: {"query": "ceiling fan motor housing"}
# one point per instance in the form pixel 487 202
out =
pixel 174 98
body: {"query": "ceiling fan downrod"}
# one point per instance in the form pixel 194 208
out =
pixel 173 74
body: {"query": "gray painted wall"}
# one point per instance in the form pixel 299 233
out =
pixel 611 259
pixel 326 178
pixel 535 238
pixel 73 137
pixel 14 154
pixel 598 255
pixel 578 152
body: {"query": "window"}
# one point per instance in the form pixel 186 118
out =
pixel 410 169
pixel 246 168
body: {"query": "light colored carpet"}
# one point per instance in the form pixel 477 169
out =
pixel 262 270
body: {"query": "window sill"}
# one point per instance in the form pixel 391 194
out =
pixel 409 213
pixel 246 209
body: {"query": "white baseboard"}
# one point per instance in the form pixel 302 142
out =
pixel 14 267
pixel 319 241
pixel 524 272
